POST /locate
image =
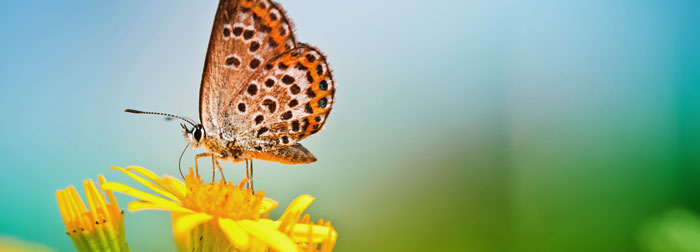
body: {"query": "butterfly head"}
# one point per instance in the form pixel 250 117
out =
pixel 195 135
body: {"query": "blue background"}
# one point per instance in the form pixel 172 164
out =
pixel 458 125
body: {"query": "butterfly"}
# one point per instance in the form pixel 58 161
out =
pixel 261 91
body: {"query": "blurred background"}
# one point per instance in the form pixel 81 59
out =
pixel 458 126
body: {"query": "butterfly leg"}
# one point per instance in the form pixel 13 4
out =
pixel 215 163
pixel 213 168
pixel 251 176
pixel 247 174
pixel 200 155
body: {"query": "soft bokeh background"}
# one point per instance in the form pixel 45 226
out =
pixel 459 125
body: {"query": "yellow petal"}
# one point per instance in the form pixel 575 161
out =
pixel 148 184
pixel 75 197
pixel 293 212
pixel 272 237
pixel 317 233
pixel 176 186
pixel 267 205
pixel 298 205
pixel 88 186
pixel 235 234
pixel 166 182
pixel 63 207
pixel 145 205
pixel 98 202
pixel 113 205
pixel 269 223
pixel 144 172
pixel 75 206
pixel 183 224
pixel 117 187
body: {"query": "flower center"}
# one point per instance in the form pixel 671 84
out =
pixel 222 199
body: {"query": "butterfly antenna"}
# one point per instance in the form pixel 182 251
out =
pixel 179 168
pixel 190 121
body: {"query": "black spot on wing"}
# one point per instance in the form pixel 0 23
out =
pixel 259 119
pixel 286 79
pixel 286 115
pixel 262 130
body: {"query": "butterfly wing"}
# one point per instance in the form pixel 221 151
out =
pixel 260 89
pixel 288 100
pixel 245 34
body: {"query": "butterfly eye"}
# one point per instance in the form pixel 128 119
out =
pixel 198 132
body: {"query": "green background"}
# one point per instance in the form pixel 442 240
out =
pixel 458 125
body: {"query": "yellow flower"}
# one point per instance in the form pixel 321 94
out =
pixel 223 216
pixel 99 228
pixel 307 235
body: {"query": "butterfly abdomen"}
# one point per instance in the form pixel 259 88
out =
pixel 293 154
